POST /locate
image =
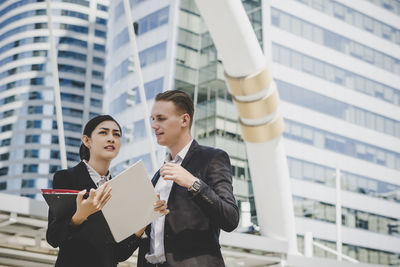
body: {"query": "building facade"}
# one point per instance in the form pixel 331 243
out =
pixel 336 65
pixel 29 150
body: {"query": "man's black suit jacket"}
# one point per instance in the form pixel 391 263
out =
pixel 75 248
pixel 192 228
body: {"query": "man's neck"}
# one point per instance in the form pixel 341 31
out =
pixel 177 147
pixel 100 166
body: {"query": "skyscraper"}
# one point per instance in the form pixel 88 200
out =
pixel 336 69
pixel 29 150
pixel 336 65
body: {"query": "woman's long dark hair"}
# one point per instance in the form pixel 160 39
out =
pixel 84 152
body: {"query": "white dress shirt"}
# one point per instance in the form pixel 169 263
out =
pixel 96 177
pixel 163 187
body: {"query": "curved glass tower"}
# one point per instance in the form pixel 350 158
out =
pixel 29 150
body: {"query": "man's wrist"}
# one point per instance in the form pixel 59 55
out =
pixel 195 187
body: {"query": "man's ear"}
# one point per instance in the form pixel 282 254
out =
pixel 185 120
pixel 85 141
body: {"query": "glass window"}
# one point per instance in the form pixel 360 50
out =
pixel 35 109
pixel 296 60
pixel 72 84
pixel 318 35
pixel 4 156
pixel 53 169
pixel 139 131
pixel 3 171
pixel 54 154
pixel 119 104
pixel 356 18
pixel 99 47
pixel 72 98
pixel 153 20
pixel 296 26
pixel 28 183
pixel 31 153
pixel 33 124
pixel 319 175
pixel 5 128
pixel 153 54
pixel 338 75
pixel 31 168
pixel 307 65
pixel 307 31
pixel 296 169
pixel 3 185
pixel 308 171
pixel 32 139
pixel 5 142
pixel 284 22
pixel 102 7
pixel 96 102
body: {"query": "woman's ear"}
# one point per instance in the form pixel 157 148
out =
pixel 85 140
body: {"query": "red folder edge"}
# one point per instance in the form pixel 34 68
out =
pixel 59 191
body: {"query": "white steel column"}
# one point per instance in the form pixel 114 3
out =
pixel 257 100
pixel 56 86
pixel 338 215
pixel 308 244
pixel 139 76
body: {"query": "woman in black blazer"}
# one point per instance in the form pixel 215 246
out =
pixel 101 141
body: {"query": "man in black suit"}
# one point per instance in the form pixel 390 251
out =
pixel 197 182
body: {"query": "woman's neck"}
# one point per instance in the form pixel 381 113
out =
pixel 100 166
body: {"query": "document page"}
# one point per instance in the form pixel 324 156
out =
pixel 130 207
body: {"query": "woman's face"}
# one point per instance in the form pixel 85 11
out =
pixel 104 142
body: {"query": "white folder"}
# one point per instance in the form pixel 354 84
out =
pixel 130 207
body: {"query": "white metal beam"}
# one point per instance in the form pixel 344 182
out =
pixel 139 76
pixel 56 86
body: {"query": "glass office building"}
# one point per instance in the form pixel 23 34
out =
pixel 29 150
pixel 336 65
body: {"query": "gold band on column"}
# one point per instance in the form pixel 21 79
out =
pixel 264 132
pixel 249 85
pixel 259 108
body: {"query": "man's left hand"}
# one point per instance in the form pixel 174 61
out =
pixel 178 174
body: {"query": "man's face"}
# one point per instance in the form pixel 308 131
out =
pixel 168 125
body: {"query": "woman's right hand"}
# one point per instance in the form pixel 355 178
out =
pixel 95 202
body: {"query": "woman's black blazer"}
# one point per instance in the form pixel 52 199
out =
pixel 74 248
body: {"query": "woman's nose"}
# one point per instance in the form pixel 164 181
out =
pixel 111 138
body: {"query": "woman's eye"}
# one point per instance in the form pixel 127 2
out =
pixel 117 134
pixel 102 132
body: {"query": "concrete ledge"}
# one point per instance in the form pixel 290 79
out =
pixel 253 242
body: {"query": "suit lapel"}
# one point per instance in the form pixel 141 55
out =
pixel 82 175
pixel 190 153
pixel 155 178
pixel 154 182
pixel 185 162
